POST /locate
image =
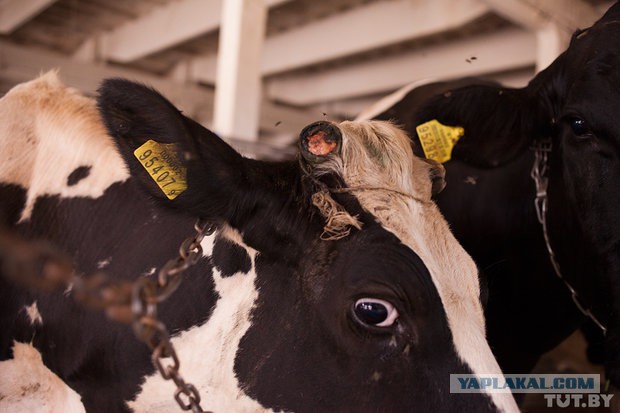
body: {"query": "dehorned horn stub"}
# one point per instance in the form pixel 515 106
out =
pixel 319 140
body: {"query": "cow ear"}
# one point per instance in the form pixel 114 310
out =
pixel 133 112
pixel 167 152
pixel 486 113
pixel 437 175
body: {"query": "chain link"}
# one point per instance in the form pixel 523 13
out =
pixel 147 294
pixel 40 266
pixel 539 174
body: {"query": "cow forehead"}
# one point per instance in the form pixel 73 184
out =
pixel 379 153
pixel 592 50
pixel 54 143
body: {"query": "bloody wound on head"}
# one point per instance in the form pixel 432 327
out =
pixel 319 140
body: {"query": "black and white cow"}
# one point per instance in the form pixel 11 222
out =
pixel 489 200
pixel 307 299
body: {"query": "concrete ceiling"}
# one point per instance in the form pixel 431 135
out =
pixel 301 61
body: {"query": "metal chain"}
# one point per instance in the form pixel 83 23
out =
pixel 40 266
pixel 147 294
pixel 539 174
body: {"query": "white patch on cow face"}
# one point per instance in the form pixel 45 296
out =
pixel 377 154
pixel 207 352
pixel 48 131
pixel 26 385
pixel 32 311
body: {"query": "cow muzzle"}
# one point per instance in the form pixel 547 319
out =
pixel 319 140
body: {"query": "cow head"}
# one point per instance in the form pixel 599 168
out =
pixel 574 102
pixel 374 316
pixel 583 105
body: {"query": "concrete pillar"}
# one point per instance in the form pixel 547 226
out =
pixel 551 41
pixel 238 83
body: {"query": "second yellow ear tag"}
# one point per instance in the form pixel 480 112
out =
pixel 438 140
pixel 161 162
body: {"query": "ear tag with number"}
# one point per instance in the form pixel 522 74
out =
pixel 438 140
pixel 163 166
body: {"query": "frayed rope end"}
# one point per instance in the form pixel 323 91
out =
pixel 339 221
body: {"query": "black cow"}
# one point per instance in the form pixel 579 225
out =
pixel 572 106
pixel 332 282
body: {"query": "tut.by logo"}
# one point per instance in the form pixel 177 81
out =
pixel 578 400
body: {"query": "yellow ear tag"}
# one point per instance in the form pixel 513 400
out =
pixel 438 140
pixel 161 162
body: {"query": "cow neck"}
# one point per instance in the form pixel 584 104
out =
pixel 539 173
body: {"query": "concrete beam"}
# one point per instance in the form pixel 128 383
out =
pixel 164 27
pixel 348 33
pixel 473 56
pixel 569 15
pixel 554 21
pixel 14 13
pixel 19 64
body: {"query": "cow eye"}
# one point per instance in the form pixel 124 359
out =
pixel 580 127
pixel 375 312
